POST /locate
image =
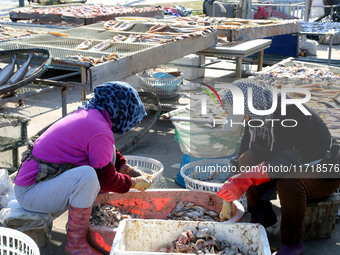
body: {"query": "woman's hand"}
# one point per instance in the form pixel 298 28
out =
pixel 141 183
pixel 131 171
pixel 237 185
pixel 234 188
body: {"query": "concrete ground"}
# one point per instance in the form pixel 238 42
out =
pixel 158 143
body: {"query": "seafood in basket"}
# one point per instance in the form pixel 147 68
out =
pixel 155 204
pixel 109 215
pixel 200 241
pixel 190 211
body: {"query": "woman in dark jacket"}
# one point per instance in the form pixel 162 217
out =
pixel 283 156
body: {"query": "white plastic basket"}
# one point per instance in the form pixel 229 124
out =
pixel 197 175
pixel 163 88
pixel 147 165
pixel 16 243
pixel 152 234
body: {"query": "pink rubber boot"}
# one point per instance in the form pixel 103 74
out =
pixel 78 221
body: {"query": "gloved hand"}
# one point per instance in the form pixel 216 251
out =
pixel 237 185
pixel 141 182
pixel 226 210
pixel 131 171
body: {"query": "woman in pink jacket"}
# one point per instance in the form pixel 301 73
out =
pixel 76 158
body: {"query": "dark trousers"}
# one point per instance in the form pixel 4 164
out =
pixel 294 195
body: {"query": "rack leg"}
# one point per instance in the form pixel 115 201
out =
pixel 63 102
pixel 330 49
pixel 260 61
pixel 83 80
pixel 15 158
pixel 238 68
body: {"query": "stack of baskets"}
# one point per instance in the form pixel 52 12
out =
pixel 208 175
pixel 162 87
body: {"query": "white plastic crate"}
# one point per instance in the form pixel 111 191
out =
pixel 147 165
pixel 152 234
pixel 197 175
pixel 163 88
pixel 16 243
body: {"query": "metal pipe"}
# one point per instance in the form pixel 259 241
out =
pixel 60 77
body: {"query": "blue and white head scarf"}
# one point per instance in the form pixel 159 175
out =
pixel 122 102
pixel 262 100
pixel 262 97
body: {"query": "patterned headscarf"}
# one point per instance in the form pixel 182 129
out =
pixel 262 100
pixel 122 102
pixel 262 97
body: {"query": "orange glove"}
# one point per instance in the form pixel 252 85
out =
pixel 141 183
pixel 237 185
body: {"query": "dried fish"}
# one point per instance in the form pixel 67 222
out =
pixel 58 33
pixel 84 45
pixel 20 73
pixel 87 11
pixel 118 38
pixel 126 26
pixel 31 71
pixel 184 29
pixel 335 100
pixel 6 73
pixel 327 104
pixel 102 46
pixel 157 28
pixel 95 61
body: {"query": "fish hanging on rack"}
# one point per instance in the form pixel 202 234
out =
pixel 20 73
pixel 84 45
pixel 6 73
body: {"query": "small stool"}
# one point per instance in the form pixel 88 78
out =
pixel 320 218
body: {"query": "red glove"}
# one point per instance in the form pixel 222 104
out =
pixel 237 185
